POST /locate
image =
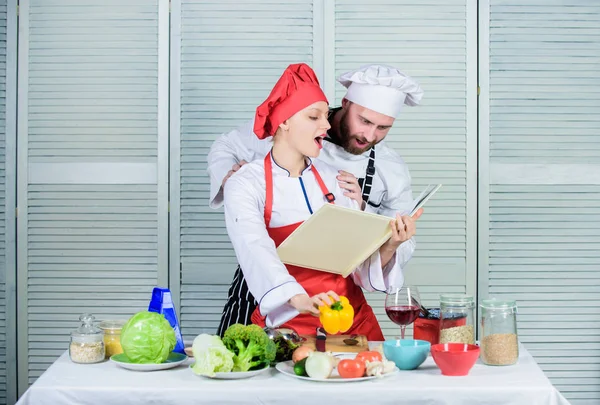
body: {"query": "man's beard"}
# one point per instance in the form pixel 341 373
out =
pixel 346 139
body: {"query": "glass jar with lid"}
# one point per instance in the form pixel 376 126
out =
pixel 457 318
pixel 87 342
pixel 112 336
pixel 499 340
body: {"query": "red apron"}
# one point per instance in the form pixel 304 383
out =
pixel 315 282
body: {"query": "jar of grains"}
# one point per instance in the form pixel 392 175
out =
pixel 112 336
pixel 499 341
pixel 87 342
pixel 457 318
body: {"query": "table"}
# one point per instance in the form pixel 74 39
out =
pixel 105 383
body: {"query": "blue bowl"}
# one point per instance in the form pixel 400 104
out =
pixel 408 354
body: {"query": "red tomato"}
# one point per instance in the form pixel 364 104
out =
pixel 351 368
pixel 369 356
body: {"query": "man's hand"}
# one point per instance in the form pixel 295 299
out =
pixel 403 228
pixel 310 305
pixel 349 182
pixel 234 169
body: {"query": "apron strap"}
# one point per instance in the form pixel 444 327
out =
pixel 269 188
pixel 269 184
pixel 370 173
pixel 328 196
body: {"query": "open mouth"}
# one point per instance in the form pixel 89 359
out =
pixel 360 143
pixel 319 141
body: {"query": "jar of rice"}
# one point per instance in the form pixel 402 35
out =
pixel 499 340
pixel 457 318
pixel 87 342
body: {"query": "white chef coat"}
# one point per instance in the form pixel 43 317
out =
pixel 268 279
pixel 391 188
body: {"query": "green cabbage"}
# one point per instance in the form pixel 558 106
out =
pixel 211 356
pixel 147 337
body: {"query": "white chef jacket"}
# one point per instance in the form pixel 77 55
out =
pixel 391 188
pixel 268 279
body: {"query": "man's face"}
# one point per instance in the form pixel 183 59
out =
pixel 361 128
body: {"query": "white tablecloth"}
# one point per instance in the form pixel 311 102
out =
pixel 106 383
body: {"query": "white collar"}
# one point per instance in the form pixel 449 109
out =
pixel 280 171
pixel 340 152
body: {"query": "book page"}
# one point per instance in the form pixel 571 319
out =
pixel 420 201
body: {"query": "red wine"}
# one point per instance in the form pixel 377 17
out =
pixel 403 314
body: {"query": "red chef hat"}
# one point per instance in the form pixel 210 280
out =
pixel 296 89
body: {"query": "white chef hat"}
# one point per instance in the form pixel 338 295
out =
pixel 381 88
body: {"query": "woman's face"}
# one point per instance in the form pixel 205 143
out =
pixel 307 128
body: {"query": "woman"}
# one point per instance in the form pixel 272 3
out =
pixel 267 199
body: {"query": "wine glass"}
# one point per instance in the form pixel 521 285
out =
pixel 402 306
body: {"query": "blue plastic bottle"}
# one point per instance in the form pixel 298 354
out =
pixel 162 302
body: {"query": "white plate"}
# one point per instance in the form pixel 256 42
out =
pixel 287 368
pixel 172 361
pixel 234 375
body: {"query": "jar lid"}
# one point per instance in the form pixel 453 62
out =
pixel 457 299
pixel 114 324
pixel 498 304
pixel 88 339
pixel 87 332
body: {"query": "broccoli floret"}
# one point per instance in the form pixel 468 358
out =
pixel 251 345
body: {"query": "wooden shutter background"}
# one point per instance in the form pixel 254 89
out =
pixel 93 140
pixel 544 175
pixel 434 42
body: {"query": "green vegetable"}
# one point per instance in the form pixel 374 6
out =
pixel 285 349
pixel 300 368
pixel 251 345
pixel 147 337
pixel 211 356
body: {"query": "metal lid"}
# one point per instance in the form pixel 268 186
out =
pixel 456 299
pixel 498 304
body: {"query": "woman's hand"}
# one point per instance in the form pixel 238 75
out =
pixel 349 183
pixel 310 305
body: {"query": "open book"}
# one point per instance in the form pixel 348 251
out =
pixel 337 239
pixel 420 201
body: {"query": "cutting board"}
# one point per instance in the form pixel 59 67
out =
pixel 335 343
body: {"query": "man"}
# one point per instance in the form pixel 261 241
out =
pixel 374 98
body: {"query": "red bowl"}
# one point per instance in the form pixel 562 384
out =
pixel 455 359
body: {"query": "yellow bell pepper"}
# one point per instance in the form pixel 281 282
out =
pixel 337 317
